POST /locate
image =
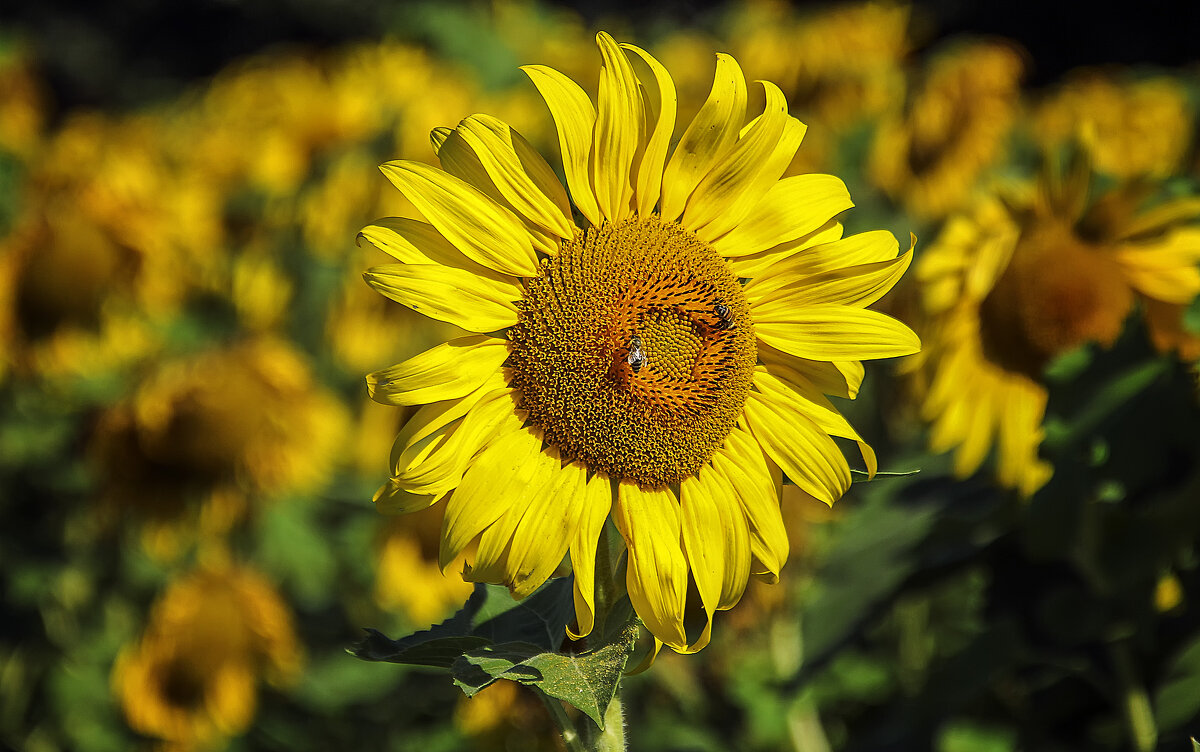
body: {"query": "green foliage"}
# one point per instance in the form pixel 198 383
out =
pixel 495 637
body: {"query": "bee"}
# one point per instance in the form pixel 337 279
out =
pixel 724 317
pixel 637 356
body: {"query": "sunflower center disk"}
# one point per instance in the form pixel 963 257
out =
pixel 634 351
pixel 1057 293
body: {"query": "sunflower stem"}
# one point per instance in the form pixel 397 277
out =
pixel 612 738
pixel 570 734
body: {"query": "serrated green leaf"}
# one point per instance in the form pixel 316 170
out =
pixel 587 681
pixel 541 619
pixel 490 616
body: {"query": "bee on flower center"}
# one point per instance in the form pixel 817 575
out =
pixel 637 356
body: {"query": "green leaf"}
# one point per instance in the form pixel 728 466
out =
pixel 1104 403
pixel 1178 698
pixel 490 616
pixel 587 680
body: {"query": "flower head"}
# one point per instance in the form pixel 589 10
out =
pixel 658 345
pixel 192 678
pixel 956 125
pixel 1027 275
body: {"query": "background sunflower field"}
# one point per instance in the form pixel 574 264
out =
pixel 188 454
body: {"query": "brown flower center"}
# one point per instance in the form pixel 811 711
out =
pixel 1057 293
pixel 634 351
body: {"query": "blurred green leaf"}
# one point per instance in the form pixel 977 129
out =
pixel 1103 403
pixel 965 736
pixel 292 547
pixel 333 682
pixel 1178 698
pixel 867 563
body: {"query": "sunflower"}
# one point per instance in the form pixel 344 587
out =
pixel 663 354
pixel 192 677
pixel 1032 272
pixel 1133 127
pixel 214 434
pixel 930 157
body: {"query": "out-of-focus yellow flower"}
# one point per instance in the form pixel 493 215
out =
pixel 192 678
pixel 1168 593
pixel 1031 274
pixel 22 103
pixel 111 237
pixel 837 66
pixel 409 578
pixel 1128 127
pixel 504 717
pixel 930 157
pixel 260 290
pixel 214 432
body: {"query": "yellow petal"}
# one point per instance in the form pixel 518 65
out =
pixel 805 453
pixel 520 173
pixel 448 371
pixel 757 265
pixel 619 120
pixel 743 466
pixel 392 499
pixel 704 546
pixel 657 575
pixel 819 258
pixel 787 386
pixel 650 168
pixel 1020 434
pixel 837 332
pixel 738 181
pixel 547 529
pixel 438 136
pixel 428 419
pixel 494 557
pixel 710 134
pixel 1164 270
pixel 460 160
pixel 791 209
pixel 857 286
pixel 499 478
pixel 479 227
pixel 431 459
pixel 574 117
pixel 447 294
pixel 839 378
pixel 716 541
pixel 736 540
pixel 595 503
pixel 411 241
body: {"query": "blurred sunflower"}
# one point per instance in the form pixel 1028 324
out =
pixel 666 358
pixel 213 433
pixel 408 577
pixel 1031 273
pixel 838 66
pixel 929 158
pixel 192 677
pixel 1130 127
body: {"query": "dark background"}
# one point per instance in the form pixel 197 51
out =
pixel 118 54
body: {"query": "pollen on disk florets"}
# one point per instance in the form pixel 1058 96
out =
pixel 634 351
